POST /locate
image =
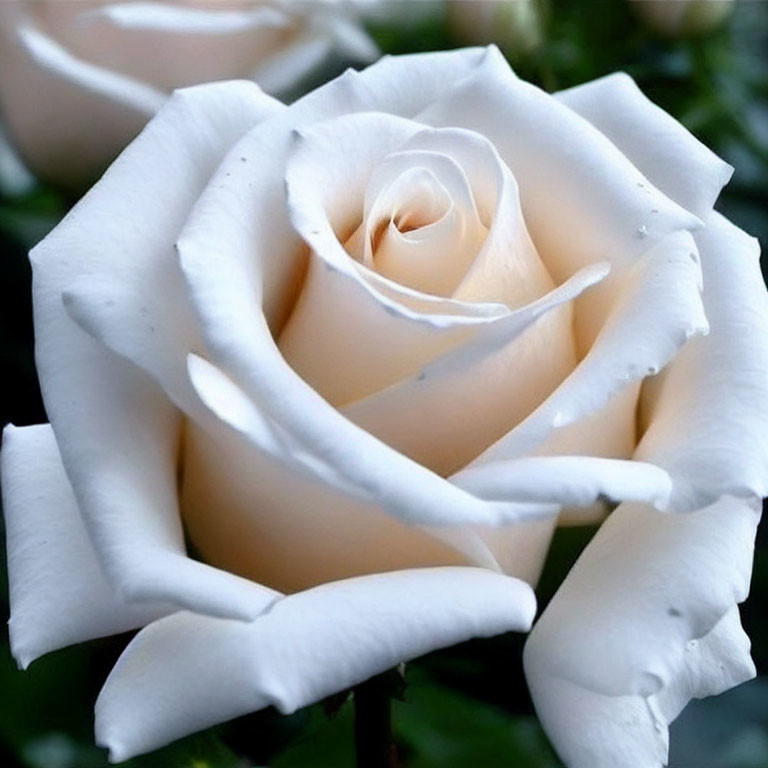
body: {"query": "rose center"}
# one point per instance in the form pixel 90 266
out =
pixel 421 227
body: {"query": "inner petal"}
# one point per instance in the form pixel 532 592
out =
pixel 420 227
pixel 443 202
pixel 250 515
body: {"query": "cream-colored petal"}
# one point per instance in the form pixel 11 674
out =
pixel 452 409
pixel 391 336
pixel 422 228
pixel 170 45
pixel 264 519
pixel 658 310
pixel 507 268
pixel 406 491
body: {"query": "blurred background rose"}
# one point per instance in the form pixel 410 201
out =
pixel 80 78
pixel 680 18
pixel 516 26
pixel 709 68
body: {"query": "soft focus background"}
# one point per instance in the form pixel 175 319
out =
pixel 704 61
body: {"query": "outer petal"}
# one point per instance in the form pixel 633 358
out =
pixel 672 158
pixel 187 672
pixel 59 595
pixel 706 416
pixel 124 230
pixel 638 628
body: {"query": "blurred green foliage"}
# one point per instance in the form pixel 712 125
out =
pixel 465 706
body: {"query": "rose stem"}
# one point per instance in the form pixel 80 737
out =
pixel 373 723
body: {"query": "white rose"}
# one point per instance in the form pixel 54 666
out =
pixel 80 79
pixel 366 351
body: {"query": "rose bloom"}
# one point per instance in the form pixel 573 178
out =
pixel 365 352
pixel 80 78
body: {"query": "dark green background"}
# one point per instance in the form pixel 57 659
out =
pixel 465 707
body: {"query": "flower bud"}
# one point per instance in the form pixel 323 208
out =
pixel 514 25
pixel 682 18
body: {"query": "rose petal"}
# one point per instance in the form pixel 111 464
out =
pixel 434 230
pixel 58 593
pixel 659 309
pixel 265 489
pixel 96 399
pixel 389 337
pixel 616 217
pixel 712 665
pixel 608 433
pixel 267 516
pixel 475 393
pixel 658 145
pixel 50 93
pixel 263 471
pixel 165 17
pixel 308 646
pixel 57 61
pixel 241 223
pixel 392 337
pixel 566 480
pixel 637 628
pixel 706 416
pixel 286 67
pixel 346 460
pixel 172 45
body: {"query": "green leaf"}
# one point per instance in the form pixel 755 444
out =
pixel 440 728
pixel 201 750
pixel 328 742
